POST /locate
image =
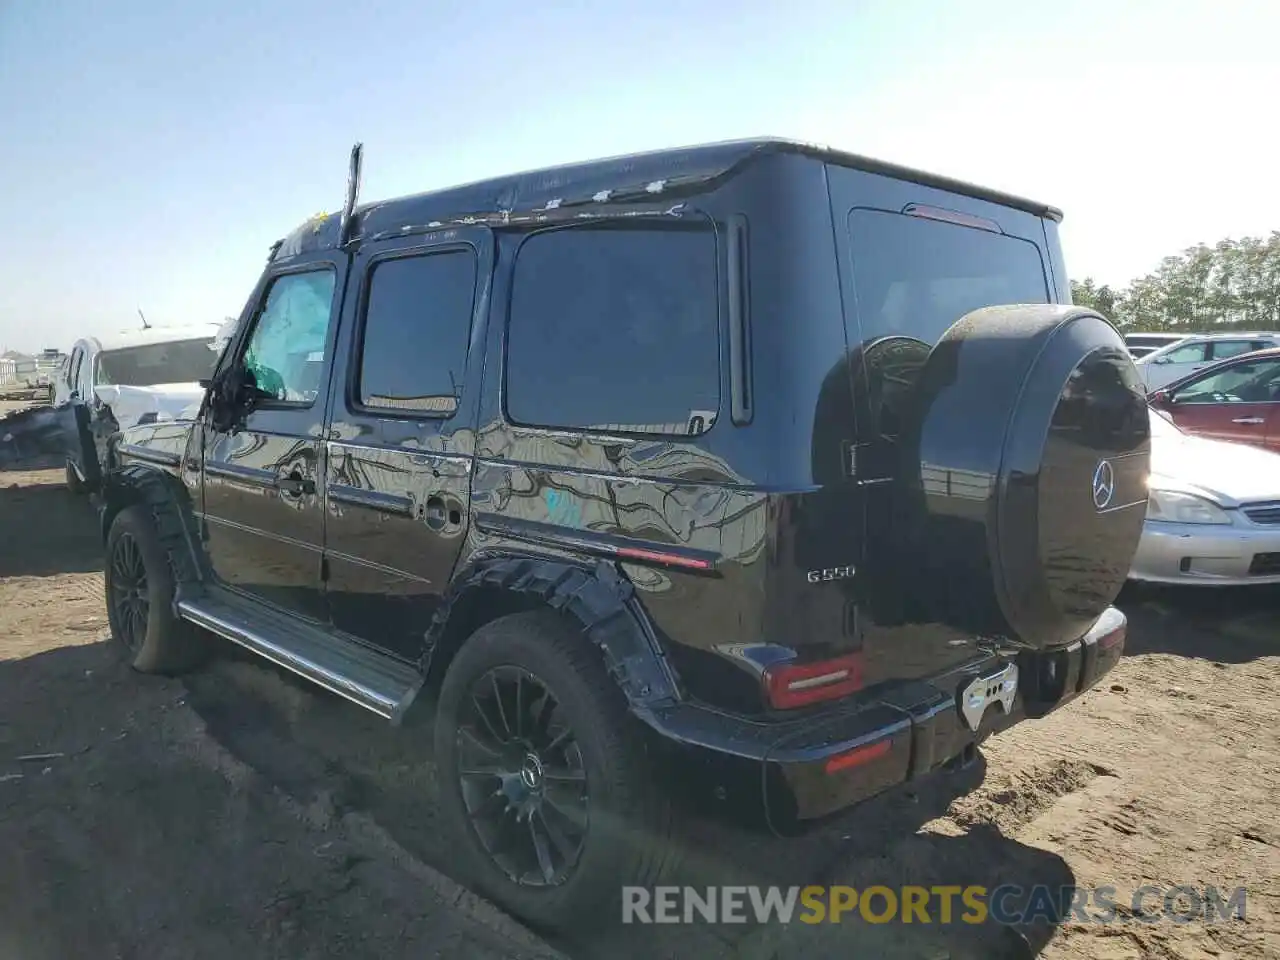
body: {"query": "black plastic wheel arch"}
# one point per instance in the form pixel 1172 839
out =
pixel 598 597
pixel 166 499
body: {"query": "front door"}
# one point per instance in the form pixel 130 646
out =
pixel 401 436
pixel 263 511
pixel 1239 403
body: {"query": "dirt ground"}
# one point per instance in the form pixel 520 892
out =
pixel 237 812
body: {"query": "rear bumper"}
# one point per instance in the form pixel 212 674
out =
pixel 811 767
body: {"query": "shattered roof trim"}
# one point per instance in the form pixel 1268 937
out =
pixel 542 195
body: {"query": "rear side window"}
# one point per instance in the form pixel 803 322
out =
pixel 615 329
pixel 417 325
pixel 914 277
pixel 1221 349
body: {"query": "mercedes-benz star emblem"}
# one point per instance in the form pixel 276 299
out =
pixel 1104 484
pixel 531 772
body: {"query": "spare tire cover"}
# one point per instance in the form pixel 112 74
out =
pixel 1026 449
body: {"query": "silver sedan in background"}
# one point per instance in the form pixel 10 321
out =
pixel 1213 513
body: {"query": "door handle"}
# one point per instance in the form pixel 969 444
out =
pixel 1247 420
pixel 295 485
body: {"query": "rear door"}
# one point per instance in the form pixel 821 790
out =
pixel 1240 402
pixel 401 437
pixel 913 261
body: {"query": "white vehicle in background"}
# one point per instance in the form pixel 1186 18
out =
pixel 1213 511
pixel 117 381
pixel 1141 344
pixel 1189 354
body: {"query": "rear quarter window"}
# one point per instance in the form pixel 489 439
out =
pixel 614 329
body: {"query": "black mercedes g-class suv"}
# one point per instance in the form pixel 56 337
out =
pixel 786 468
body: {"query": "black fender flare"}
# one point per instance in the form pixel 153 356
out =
pixel 597 596
pixel 138 484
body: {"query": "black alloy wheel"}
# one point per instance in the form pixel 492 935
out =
pixel 522 777
pixel 130 591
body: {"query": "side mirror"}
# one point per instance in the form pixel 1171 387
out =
pixel 1161 398
pixel 1163 360
pixel 232 395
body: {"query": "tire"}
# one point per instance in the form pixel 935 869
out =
pixel 142 618
pixel 74 484
pixel 627 818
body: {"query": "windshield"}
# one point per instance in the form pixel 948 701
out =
pixel 181 361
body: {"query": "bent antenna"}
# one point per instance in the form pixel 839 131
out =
pixel 353 193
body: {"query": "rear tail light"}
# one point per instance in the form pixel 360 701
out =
pixel 788 686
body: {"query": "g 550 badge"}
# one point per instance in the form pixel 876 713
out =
pixel 831 573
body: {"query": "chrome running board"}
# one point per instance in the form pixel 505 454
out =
pixel 378 682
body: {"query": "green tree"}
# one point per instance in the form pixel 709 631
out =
pixel 1232 285
pixel 1086 293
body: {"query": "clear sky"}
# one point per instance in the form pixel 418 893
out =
pixel 151 150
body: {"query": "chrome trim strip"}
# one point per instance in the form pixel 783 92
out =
pixel 371 565
pixel 259 532
pixel 249 475
pixel 417 454
pixel 391 503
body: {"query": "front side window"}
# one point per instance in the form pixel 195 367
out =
pixel 416 328
pixel 615 329
pixel 1190 353
pixel 182 361
pixel 1257 381
pixel 286 350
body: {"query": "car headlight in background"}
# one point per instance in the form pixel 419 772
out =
pixel 1183 508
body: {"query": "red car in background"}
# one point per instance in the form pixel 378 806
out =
pixel 1237 399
